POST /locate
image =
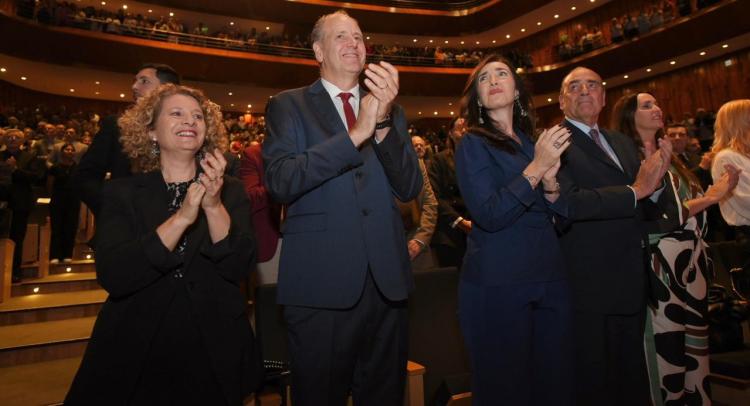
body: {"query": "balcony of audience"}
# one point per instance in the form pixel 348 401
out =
pixel 289 62
pixel 434 17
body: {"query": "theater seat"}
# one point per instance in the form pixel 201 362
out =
pixel 435 339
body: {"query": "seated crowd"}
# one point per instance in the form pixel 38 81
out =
pixel 122 22
pixel 575 39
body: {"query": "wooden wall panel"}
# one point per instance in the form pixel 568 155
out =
pixel 543 46
pixel 707 85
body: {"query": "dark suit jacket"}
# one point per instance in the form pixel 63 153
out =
pixel 29 171
pixel 341 218
pixel 266 213
pixel 103 155
pixel 137 271
pixel 442 171
pixel 603 241
pixel 512 238
pixel 691 160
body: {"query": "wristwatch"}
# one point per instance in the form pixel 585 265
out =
pixel 387 122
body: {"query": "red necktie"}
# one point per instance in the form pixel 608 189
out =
pixel 351 119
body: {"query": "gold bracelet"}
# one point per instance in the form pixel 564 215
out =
pixel 532 179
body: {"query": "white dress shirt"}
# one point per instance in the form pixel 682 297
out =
pixel 334 91
pixel 736 208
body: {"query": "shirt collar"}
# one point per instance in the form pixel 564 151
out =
pixel 334 91
pixel 581 126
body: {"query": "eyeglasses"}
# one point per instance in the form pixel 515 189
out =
pixel 577 87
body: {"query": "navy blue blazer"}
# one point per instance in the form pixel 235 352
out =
pixel 513 237
pixel 341 217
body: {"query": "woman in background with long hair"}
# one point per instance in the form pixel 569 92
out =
pixel 676 334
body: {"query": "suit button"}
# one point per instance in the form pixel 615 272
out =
pixel 358 174
pixel 177 274
pixel 365 212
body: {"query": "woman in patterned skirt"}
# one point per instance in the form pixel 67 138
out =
pixel 676 333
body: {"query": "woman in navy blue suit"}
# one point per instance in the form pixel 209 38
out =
pixel 513 295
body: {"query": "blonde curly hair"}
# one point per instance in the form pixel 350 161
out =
pixel 138 120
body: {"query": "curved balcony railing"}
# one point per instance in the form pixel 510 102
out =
pixel 254 45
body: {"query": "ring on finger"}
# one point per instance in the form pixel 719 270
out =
pixel 556 145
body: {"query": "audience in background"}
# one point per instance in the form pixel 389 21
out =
pixel 454 220
pixel 65 205
pixel 677 319
pixel 732 148
pixel 420 216
pixel 20 170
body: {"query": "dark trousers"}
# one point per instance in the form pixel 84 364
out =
pixel 448 255
pixel 743 240
pixel 610 363
pixel 362 350
pixel 18 223
pixel 519 339
pixel 64 214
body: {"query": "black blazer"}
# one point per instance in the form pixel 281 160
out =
pixel 103 155
pixel 442 171
pixel 138 272
pixel 603 241
pixel 29 171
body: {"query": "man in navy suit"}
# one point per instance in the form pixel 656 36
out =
pixel 337 156
pixel 608 190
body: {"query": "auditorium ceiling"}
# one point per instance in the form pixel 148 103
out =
pixel 91 70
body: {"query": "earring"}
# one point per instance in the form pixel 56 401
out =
pixel 521 110
pixel 481 120
pixel 154 148
pixel 200 155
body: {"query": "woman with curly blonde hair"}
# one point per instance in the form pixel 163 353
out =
pixel 174 242
pixel 138 121
pixel 732 148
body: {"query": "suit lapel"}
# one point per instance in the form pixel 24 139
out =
pixel 584 142
pixel 620 152
pixel 324 108
pixel 151 199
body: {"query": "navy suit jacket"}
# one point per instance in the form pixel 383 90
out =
pixel 513 238
pixel 603 243
pixel 341 217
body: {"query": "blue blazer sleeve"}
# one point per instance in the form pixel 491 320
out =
pixel 494 190
pixel 294 168
pixel 399 160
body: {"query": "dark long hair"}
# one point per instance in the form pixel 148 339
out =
pixel 623 120
pixel 488 129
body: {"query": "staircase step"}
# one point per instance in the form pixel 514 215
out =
pixel 81 265
pixel 51 306
pixel 45 341
pixel 42 383
pixel 56 283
